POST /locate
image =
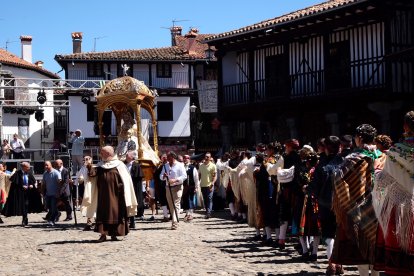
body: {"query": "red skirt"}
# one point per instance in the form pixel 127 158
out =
pixel 389 257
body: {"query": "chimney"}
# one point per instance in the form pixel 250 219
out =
pixel 176 30
pixel 192 33
pixel 77 42
pixel 39 63
pixel 26 41
pixel 190 36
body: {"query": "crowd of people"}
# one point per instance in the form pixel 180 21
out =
pixel 354 193
pixel 13 149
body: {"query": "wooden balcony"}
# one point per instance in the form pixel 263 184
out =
pixel 299 86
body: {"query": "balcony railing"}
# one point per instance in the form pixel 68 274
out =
pixel 302 85
pixel 177 79
pixel 256 92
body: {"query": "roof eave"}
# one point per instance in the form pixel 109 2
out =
pixel 62 62
pixel 260 29
pixel 39 70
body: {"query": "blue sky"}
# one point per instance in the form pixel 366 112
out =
pixel 126 24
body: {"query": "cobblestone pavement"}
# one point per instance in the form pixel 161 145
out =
pixel 216 246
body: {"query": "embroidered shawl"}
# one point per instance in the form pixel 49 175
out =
pixel 394 194
pixel 352 202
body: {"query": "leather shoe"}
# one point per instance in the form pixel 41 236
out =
pixel 257 237
pixel 58 216
pixel 68 219
pixel 102 238
pixel 268 242
pixel 87 228
pixel 313 258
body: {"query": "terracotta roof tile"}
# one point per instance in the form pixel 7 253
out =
pixel 13 60
pixel 186 49
pixel 315 9
pixel 195 46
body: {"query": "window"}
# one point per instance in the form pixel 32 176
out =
pixel 9 95
pixel 165 111
pixel 277 75
pixel 9 92
pixel 163 70
pixel 95 70
pixel 120 69
pixel 337 66
pixel 90 111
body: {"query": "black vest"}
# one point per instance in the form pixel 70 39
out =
pixel 190 176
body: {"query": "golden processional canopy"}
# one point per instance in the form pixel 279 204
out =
pixel 128 95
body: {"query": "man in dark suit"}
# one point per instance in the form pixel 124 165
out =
pixel 65 188
pixel 22 183
pixel 137 176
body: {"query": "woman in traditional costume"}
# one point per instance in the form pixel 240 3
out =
pixel 321 187
pixel 393 199
pixel 356 222
pixel 291 161
pixel 309 225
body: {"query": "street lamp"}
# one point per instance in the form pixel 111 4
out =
pixel 193 109
pixel 209 53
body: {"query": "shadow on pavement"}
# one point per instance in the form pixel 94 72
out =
pixel 156 228
pixel 301 273
pixel 69 242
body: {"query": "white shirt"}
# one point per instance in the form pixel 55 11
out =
pixel 17 145
pixel 272 168
pixel 176 171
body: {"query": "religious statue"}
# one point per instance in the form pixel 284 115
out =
pixel 125 144
pixel 128 140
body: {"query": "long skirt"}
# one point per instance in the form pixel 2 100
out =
pixel 309 223
pixel 388 255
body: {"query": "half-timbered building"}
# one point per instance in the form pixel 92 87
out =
pixel 173 72
pixel 317 71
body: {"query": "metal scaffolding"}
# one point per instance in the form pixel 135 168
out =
pixel 25 91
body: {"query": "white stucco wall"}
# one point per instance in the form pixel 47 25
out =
pixel 10 121
pixel 180 125
pixel 77 117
